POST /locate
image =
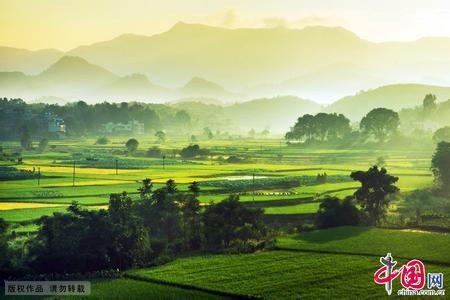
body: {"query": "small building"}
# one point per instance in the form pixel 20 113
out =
pixel 55 124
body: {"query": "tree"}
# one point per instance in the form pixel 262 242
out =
pixel 25 138
pixel 194 188
pixel 192 151
pixel 429 103
pixel 130 240
pixel 4 249
pixel 252 133
pixel 265 132
pixel 231 220
pixel 161 136
pixel 207 131
pixel 381 123
pixel 440 165
pixel 322 127
pixel 442 135
pixel 193 138
pixel 420 202
pixel 376 186
pixel 102 141
pixel 42 145
pixel 132 145
pixel 335 212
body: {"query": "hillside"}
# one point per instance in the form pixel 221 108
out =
pixel 277 114
pixel 29 62
pixel 199 87
pixel 394 97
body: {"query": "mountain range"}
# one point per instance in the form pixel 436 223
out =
pixel 316 62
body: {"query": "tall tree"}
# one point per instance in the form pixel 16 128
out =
pixel 25 137
pixel 376 185
pixel 381 123
pixel 440 165
pixel 194 188
pixel 161 136
pixel 429 103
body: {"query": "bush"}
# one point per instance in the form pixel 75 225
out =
pixel 102 141
pixel 234 160
pixel 132 145
pixel 154 152
pixel 335 212
pixel 192 151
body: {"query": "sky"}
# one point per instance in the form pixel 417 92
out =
pixel 67 24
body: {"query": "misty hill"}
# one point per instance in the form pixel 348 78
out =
pixel 316 62
pixel 395 97
pixel 303 62
pixel 136 87
pixel 29 62
pixel 199 87
pixel 69 77
pixel 277 113
pixel 75 78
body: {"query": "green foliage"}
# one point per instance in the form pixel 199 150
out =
pixel 381 123
pixel 440 165
pixel 102 141
pixel 132 145
pixel 334 212
pixel 4 249
pixel 11 173
pixel 376 186
pixel 429 103
pixel 42 145
pixel 230 220
pixel 25 138
pixel 154 152
pixel 161 136
pixel 193 151
pixel 322 127
pixel 71 242
pixel 442 135
pixel 423 202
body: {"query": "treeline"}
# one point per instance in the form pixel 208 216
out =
pixel 379 125
pixel 163 224
pixel 81 118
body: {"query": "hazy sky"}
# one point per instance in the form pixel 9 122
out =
pixel 64 24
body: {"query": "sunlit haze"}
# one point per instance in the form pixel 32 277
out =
pixel 66 24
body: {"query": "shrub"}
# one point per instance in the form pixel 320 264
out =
pixel 154 152
pixel 335 212
pixel 102 141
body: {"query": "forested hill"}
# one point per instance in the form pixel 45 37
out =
pixel 395 97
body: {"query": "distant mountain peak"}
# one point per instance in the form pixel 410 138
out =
pixel 201 83
pixel 73 64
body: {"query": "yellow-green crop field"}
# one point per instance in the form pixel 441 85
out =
pixel 270 161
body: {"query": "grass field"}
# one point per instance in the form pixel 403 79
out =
pixel 280 274
pixel 96 180
pixel 373 241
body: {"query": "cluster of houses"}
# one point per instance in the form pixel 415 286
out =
pixel 57 126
